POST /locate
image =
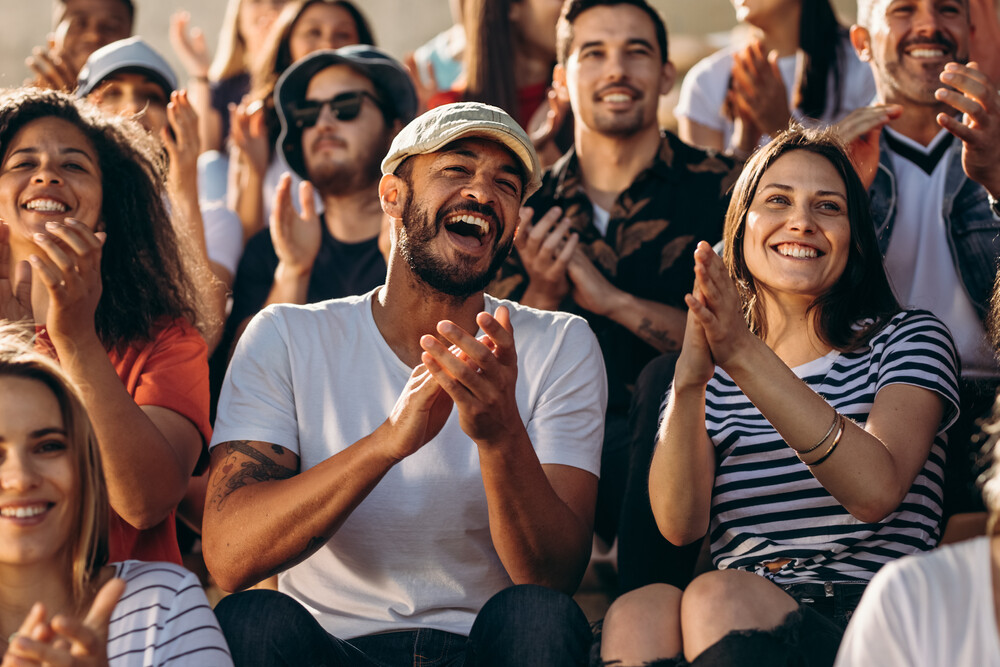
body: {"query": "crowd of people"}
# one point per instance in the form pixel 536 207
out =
pixel 405 342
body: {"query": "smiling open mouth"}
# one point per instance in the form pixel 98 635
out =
pixel 24 512
pixel 797 251
pixel 46 205
pixel 469 226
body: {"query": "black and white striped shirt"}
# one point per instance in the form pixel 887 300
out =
pixel 766 505
pixel 163 618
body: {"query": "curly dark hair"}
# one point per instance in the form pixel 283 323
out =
pixel 861 302
pixel 142 272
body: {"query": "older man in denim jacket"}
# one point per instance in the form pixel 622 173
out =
pixel 930 147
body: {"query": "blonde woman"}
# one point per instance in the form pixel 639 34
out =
pixel 61 603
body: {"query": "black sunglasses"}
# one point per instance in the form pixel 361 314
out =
pixel 345 106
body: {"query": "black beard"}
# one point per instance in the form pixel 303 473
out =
pixel 456 280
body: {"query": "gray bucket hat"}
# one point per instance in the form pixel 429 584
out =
pixel 440 126
pixel 125 55
pixel 390 78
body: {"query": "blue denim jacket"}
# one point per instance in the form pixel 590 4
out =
pixel 972 227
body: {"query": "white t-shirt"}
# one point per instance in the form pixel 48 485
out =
pixel 928 610
pixel 703 91
pixel 919 261
pixel 417 551
pixel 163 618
pixel 223 235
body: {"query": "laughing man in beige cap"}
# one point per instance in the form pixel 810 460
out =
pixel 404 458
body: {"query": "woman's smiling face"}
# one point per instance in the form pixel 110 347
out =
pixel 39 492
pixel 798 234
pixel 50 171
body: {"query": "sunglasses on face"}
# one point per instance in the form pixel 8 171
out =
pixel 345 106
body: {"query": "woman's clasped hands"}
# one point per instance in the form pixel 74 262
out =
pixel 63 641
pixel 716 330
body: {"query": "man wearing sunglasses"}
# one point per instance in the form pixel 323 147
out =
pixel 339 111
pixel 404 457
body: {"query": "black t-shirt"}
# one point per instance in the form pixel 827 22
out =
pixel 341 269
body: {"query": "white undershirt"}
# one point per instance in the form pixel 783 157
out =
pixel 919 261
pixel 601 219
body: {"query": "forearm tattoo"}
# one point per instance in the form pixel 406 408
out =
pixel 658 338
pixel 237 473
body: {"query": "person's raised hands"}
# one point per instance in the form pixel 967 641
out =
pixel 65 641
pixel 189 45
pixel 296 238
pixel 248 133
pixel 419 414
pixel 695 365
pixel 15 282
pixel 69 266
pixel 718 307
pixel 591 290
pixel 480 375
pixel 757 93
pixel 860 130
pixel 424 82
pixel 976 98
pixel 180 137
pixel 51 70
pixel 545 249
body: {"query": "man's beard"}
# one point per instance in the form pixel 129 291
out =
pixel 460 278
pixel 337 178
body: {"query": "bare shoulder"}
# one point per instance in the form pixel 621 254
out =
pixel 240 463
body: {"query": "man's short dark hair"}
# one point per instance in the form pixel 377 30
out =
pixel 573 8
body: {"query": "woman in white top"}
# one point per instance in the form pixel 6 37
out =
pixel 60 603
pixel 802 430
pixel 798 64
pixel 938 608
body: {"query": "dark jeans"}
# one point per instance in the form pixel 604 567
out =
pixel 521 625
pixel 808 637
pixel 644 555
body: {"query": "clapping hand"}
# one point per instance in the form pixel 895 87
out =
pixel 716 305
pixel 976 98
pixel 65 641
pixel 296 238
pixel 15 290
pixel 479 374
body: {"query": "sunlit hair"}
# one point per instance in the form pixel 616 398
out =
pixel 143 279
pixel 990 479
pixel 573 8
pixel 490 50
pixel 861 302
pixel 276 55
pixel 231 57
pixel 87 546
pixel 823 43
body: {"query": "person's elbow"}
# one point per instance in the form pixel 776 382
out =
pixel 879 505
pixel 229 570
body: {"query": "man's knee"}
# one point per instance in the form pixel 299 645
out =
pixel 257 621
pixel 531 606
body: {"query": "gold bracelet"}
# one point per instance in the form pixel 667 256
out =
pixel 833 446
pixel 836 419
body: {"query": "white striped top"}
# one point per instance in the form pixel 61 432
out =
pixel 766 505
pixel 163 618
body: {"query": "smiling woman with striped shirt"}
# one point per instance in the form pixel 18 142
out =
pixel 61 602
pixel 803 430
